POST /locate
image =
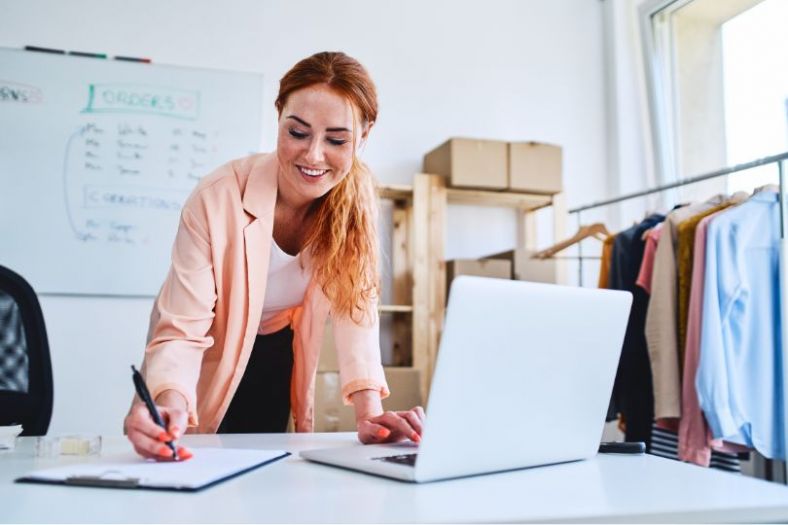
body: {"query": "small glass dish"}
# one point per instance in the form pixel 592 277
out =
pixel 70 445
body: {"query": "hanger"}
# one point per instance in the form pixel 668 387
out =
pixel 767 187
pixel 596 231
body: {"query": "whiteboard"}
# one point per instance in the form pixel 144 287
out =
pixel 97 158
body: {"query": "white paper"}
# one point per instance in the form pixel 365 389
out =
pixel 207 465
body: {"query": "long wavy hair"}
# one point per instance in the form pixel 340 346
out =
pixel 343 241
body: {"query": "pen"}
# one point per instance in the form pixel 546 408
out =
pixel 142 391
pixel 45 50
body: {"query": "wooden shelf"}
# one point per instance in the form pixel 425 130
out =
pixel 523 201
pixel 397 192
pixel 419 220
pixel 395 308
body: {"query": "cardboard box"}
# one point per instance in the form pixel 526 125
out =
pixel 487 267
pixel 525 268
pixel 535 167
pixel 470 163
pixel 331 415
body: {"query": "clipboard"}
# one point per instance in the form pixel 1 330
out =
pixel 208 467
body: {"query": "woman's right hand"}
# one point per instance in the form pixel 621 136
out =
pixel 148 438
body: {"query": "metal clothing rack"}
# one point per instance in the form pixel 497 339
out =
pixel 774 159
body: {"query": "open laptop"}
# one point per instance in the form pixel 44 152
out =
pixel 523 378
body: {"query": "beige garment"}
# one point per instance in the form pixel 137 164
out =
pixel 662 315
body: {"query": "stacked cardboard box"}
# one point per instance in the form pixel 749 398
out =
pixel 500 268
pixel 530 167
pixel 470 163
pixel 535 167
pixel 525 268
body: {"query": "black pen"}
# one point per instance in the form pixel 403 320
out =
pixel 142 391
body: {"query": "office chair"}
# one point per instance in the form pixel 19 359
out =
pixel 25 367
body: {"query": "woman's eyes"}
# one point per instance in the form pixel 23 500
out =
pixel 299 135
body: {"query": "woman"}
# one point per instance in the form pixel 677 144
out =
pixel 291 236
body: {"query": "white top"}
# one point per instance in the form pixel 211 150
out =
pixel 608 488
pixel 287 283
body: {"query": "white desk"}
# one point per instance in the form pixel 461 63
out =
pixel 608 488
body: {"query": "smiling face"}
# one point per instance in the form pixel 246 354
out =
pixel 315 143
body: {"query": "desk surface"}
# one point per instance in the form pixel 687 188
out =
pixel 607 488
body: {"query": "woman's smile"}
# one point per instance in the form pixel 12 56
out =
pixel 312 174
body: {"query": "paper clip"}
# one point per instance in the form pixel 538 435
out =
pixel 104 479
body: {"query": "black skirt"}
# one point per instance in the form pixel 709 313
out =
pixel 262 402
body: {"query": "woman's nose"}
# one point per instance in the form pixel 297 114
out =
pixel 314 155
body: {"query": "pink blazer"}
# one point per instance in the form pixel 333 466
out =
pixel 206 316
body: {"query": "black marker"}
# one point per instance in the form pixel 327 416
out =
pixel 45 50
pixel 142 391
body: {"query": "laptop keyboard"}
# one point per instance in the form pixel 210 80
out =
pixel 401 459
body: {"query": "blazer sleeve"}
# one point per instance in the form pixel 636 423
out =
pixel 358 353
pixel 183 311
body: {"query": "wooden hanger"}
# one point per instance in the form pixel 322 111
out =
pixel 596 231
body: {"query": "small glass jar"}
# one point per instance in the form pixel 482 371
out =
pixel 70 445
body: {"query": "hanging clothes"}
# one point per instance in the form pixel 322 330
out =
pixel 685 249
pixel 664 443
pixel 695 440
pixel 633 390
pixel 604 267
pixel 739 384
pixel 661 326
pixel 647 266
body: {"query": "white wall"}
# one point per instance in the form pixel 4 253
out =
pixel 514 70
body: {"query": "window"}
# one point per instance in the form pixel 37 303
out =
pixel 718 85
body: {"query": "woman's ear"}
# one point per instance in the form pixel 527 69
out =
pixel 366 130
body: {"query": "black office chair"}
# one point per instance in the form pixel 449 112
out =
pixel 25 367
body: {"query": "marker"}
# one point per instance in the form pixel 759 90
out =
pixel 86 54
pixel 132 59
pixel 45 50
pixel 144 394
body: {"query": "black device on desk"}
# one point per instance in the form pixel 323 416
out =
pixel 142 391
pixel 619 447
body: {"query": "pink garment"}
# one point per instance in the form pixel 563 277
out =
pixel 647 265
pixel 695 439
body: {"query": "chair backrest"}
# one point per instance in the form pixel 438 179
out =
pixel 25 366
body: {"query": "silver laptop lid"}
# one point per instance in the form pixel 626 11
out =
pixel 523 376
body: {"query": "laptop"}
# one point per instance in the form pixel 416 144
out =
pixel 523 378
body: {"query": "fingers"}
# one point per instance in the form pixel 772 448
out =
pixel 149 439
pixel 176 421
pixel 414 419
pixel 369 433
pixel 147 447
pixel 141 421
pixel 154 449
pixel 400 426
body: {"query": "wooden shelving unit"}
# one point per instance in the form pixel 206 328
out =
pixel 418 263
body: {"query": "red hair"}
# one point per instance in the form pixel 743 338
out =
pixel 343 240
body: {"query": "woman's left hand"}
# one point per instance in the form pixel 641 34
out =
pixel 391 427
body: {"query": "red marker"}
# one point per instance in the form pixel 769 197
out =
pixel 133 59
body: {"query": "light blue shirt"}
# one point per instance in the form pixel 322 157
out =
pixel 739 379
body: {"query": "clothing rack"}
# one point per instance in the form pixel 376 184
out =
pixel 774 159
